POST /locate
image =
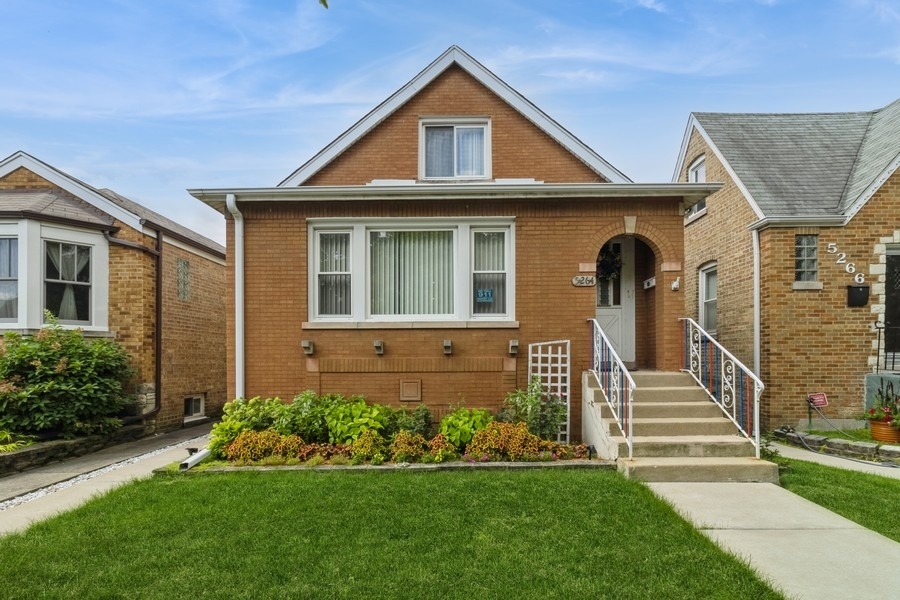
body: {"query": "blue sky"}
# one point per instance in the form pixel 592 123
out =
pixel 152 97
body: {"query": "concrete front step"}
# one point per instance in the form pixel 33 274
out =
pixel 724 469
pixel 674 410
pixel 689 446
pixel 682 426
pixel 662 379
pixel 670 394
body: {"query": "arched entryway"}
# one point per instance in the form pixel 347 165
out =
pixel 626 298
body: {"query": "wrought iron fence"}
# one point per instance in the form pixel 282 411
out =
pixel 888 348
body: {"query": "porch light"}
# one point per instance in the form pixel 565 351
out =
pixel 308 346
pixel 448 347
pixel 379 346
pixel 513 347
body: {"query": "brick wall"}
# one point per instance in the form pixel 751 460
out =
pixel 810 340
pixel 193 333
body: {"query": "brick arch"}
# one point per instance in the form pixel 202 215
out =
pixel 662 245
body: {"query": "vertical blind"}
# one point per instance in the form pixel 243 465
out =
pixel 334 273
pixel 489 272
pixel 411 272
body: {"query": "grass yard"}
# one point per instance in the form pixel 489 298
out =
pixel 392 534
pixel 865 499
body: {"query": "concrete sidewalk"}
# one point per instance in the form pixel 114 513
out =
pixel 798 546
pixel 43 492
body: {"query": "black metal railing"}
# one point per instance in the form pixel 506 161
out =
pixel 888 348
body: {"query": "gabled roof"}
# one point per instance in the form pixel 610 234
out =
pixel 455 55
pixel 816 165
pixel 108 204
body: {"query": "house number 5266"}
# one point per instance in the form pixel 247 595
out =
pixel 850 267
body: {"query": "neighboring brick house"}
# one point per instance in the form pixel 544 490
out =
pixel 105 264
pixel 418 255
pixel 795 262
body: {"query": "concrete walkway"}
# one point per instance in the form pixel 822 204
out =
pixel 799 547
pixel 43 492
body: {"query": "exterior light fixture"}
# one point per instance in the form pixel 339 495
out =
pixel 513 347
pixel 379 347
pixel 308 346
pixel 448 347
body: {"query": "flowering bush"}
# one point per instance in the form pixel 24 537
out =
pixel 886 405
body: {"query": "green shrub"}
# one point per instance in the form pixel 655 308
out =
pixel 10 442
pixel 368 444
pixel 223 433
pixel 504 441
pixel 417 420
pixel 543 413
pixel 459 426
pixel 408 447
pixel 58 381
pixel 306 416
pixel 347 419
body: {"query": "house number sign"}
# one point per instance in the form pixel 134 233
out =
pixel 850 267
pixel 584 280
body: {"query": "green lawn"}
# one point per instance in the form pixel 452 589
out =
pixel 391 534
pixel 869 500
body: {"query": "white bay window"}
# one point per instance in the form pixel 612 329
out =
pixel 411 270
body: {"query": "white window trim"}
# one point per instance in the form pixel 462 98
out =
pixel 32 235
pixel 454 121
pixel 698 209
pixel 199 415
pixel 701 296
pixel 360 314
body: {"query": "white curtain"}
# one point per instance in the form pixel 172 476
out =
pixel 439 152
pixel 489 272
pixel 470 151
pixel 411 272
pixel 9 275
pixel 334 274
pixel 70 262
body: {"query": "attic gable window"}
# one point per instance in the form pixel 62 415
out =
pixel 697 174
pixel 455 149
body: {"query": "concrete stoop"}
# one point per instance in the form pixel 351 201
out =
pixel 680 435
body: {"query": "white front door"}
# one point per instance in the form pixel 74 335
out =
pixel 615 295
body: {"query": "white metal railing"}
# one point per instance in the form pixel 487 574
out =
pixel 615 382
pixel 730 384
pixel 549 362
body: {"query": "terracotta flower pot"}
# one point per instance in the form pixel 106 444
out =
pixel 883 432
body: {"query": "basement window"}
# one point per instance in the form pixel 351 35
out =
pixel 194 407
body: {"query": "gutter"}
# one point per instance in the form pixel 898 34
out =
pixel 239 358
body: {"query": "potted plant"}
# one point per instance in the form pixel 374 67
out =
pixel 884 414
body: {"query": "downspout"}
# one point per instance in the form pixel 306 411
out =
pixel 756 310
pixel 231 204
pixel 156 253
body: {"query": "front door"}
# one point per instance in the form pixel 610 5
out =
pixel 892 309
pixel 615 295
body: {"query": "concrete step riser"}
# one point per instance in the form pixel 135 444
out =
pixel 704 410
pixel 674 427
pixel 669 394
pixel 691 450
pixel 761 471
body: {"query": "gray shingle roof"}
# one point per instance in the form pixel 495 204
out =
pixel 815 164
pixel 165 223
pixel 54 204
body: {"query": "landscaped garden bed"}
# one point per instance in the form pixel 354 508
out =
pixel 330 429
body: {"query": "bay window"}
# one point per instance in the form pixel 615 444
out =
pixel 411 270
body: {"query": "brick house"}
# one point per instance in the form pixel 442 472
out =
pixel 416 257
pixel 795 263
pixel 105 264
